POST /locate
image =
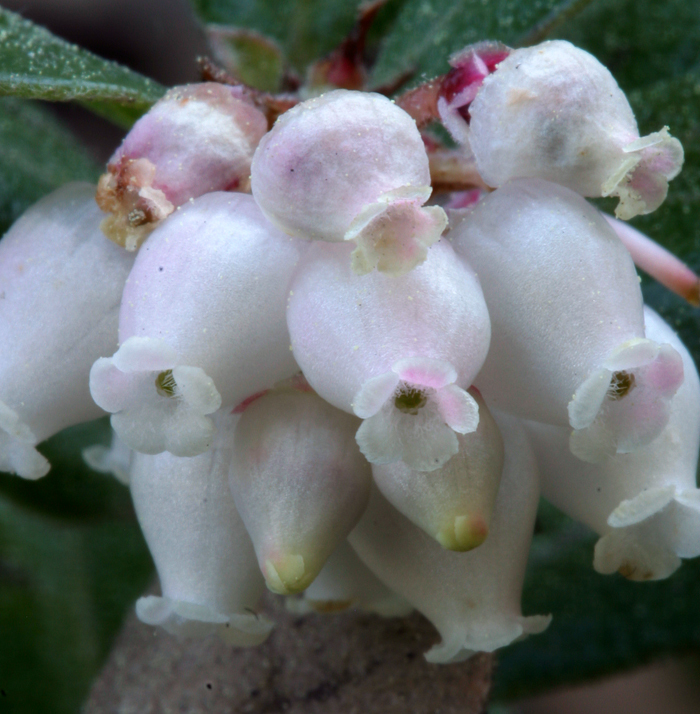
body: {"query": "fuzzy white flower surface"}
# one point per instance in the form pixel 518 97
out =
pixel 203 554
pixel 299 482
pixel 321 386
pixel 568 343
pixel 554 112
pixel 189 347
pixel 454 503
pixel 350 166
pixel 476 606
pixel 645 505
pixel 60 286
pixel 398 353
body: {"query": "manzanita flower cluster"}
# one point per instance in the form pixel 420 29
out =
pixel 344 359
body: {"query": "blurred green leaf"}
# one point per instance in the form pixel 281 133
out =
pixel 306 29
pixel 123 115
pixel 639 41
pixel 427 32
pixel 602 623
pixel 37 155
pixel 249 55
pixel 71 490
pixel 63 591
pixel 38 65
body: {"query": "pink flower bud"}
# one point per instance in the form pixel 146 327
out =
pixel 202 324
pixel 470 67
pixel 472 599
pixel 398 353
pixel 60 285
pixel 454 503
pixel 299 482
pixel 197 139
pixel 204 557
pixel 568 343
pixel 350 166
pixel 644 505
pixel 554 112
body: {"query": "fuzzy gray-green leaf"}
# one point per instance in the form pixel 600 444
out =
pixel 38 65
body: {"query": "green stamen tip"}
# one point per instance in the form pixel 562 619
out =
pixel 410 400
pixel 165 383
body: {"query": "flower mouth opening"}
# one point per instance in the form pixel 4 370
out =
pixel 410 400
pixel 621 384
pixel 166 384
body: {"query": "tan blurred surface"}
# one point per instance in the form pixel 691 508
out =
pixel 666 687
pixel 349 663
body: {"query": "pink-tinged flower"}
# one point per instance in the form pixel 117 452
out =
pixel 350 166
pixel 60 286
pixel 453 504
pixel 413 414
pixel 205 560
pixel 643 373
pixel 472 599
pixel 157 403
pixel 644 505
pixel 202 324
pixel 345 582
pixel 568 343
pixel 299 482
pixel 398 353
pixel 197 139
pixel 552 111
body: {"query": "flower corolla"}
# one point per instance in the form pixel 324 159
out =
pixel 397 353
pixel 60 287
pixel 197 139
pixel 187 347
pixel 644 505
pixel 350 166
pixel 299 482
pixel 554 112
pixel 568 343
pixel 477 604
pixel 205 560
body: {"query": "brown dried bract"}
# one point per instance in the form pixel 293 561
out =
pixel 135 208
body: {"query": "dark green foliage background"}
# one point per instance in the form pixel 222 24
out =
pixel 71 557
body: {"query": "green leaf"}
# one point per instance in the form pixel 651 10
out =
pixel 639 41
pixel 306 29
pixel 38 65
pixel 64 589
pixel 427 32
pixel 71 490
pixel 602 623
pixel 123 115
pixel 37 155
pixel 253 58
